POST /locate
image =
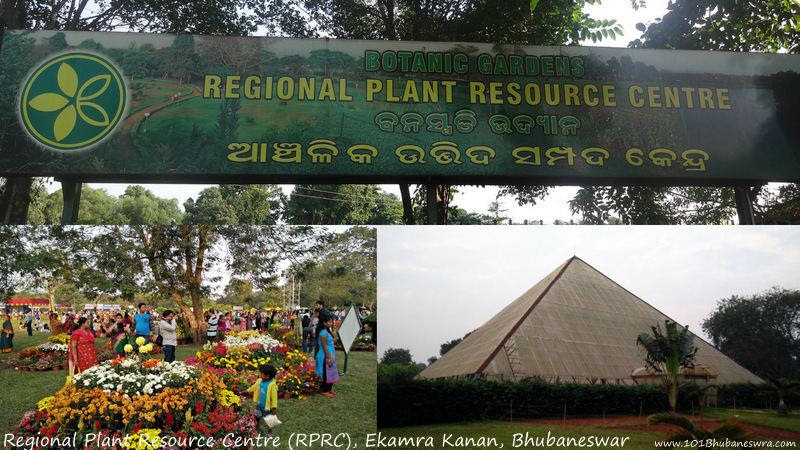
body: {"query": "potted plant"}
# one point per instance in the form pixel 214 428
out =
pixel 25 364
pixel 291 385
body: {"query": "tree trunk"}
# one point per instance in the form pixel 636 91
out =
pixel 408 209
pixel 194 314
pixel 442 203
pixel 198 332
pixel 16 200
pixel 14 13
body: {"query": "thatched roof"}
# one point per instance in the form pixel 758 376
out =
pixel 574 325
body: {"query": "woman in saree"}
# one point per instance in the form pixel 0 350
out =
pixel 118 335
pixel 7 336
pixel 82 353
pixel 56 327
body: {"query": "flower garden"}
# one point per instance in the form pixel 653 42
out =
pixel 114 403
pixel 51 355
pixel 237 358
pixel 125 401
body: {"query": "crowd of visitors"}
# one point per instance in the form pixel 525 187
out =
pixel 122 328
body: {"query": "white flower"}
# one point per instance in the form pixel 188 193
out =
pixel 263 339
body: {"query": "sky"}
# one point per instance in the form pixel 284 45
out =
pixel 438 283
pixel 473 198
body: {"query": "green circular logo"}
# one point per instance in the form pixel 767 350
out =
pixel 72 101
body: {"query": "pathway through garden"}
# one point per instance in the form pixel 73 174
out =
pixel 125 144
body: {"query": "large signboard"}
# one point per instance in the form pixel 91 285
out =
pixel 137 107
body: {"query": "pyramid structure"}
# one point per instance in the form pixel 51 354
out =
pixel 575 325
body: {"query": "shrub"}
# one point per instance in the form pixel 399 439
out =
pixel 406 401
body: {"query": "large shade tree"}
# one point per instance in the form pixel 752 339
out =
pixel 45 258
pixel 344 270
pixel 761 332
pixel 235 204
pixel 178 258
pixel 135 207
pixel 12 249
pixel 341 204
pixel 397 356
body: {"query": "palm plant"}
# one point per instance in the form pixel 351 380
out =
pixel 666 354
pixel 722 437
pixel 785 389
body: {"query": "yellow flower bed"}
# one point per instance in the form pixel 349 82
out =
pixel 62 338
pixel 72 405
pixel 145 439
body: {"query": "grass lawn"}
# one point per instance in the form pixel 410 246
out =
pixel 765 418
pixel 521 434
pixel 353 412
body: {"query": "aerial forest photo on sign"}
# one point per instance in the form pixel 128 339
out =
pixel 101 105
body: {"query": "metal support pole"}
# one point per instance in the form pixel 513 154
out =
pixel 72 202
pixel 744 204
pixel 432 205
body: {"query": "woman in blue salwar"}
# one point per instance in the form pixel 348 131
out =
pixel 326 357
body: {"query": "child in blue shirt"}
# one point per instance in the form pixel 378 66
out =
pixel 266 394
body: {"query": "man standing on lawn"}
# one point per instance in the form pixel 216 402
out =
pixel 29 322
pixel 213 322
pixel 319 307
pixel 143 323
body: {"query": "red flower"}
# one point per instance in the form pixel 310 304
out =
pixel 220 350
pixel 96 424
pixel 51 430
pixel 199 407
pixel 137 427
pixel 169 419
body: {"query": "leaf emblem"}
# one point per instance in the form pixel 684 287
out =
pixel 74 102
pixel 104 80
pixel 89 120
pixel 48 102
pixel 65 123
pixel 67 79
pixel 100 83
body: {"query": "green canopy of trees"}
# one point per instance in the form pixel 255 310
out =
pixel 400 356
pixel 136 206
pixel 761 332
pixel 340 204
pixel 178 266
